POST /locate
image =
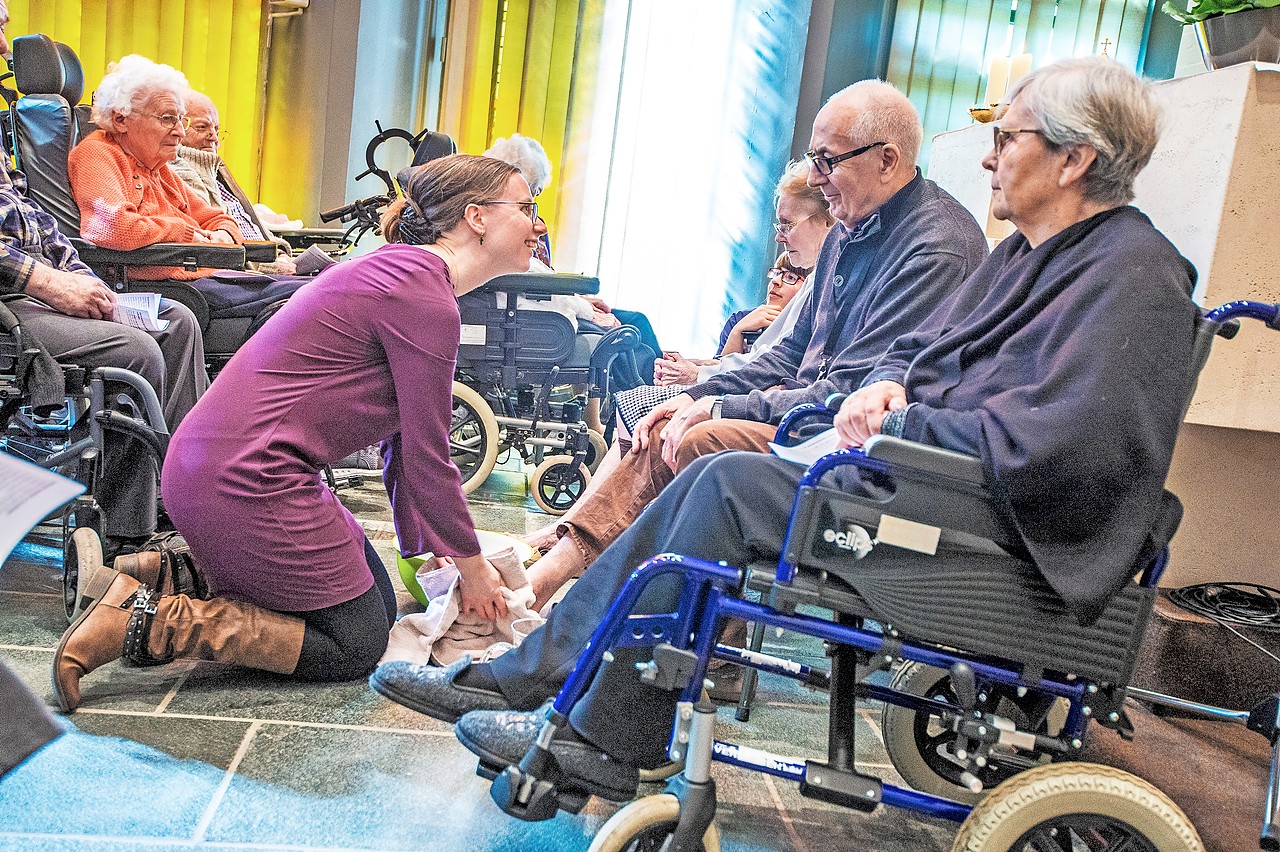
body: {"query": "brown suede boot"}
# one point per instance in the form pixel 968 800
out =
pixel 218 630
pixel 96 637
pixel 143 567
pixel 125 619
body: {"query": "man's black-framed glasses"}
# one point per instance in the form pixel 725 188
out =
pixel 530 208
pixel 826 165
pixel 1002 136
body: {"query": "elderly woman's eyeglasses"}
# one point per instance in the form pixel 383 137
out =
pixel 788 277
pixel 529 207
pixel 827 165
pixel 785 228
pixel 169 121
pixel 1003 137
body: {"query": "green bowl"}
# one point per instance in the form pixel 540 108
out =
pixel 489 542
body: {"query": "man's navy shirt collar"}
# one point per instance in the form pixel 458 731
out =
pixel 887 215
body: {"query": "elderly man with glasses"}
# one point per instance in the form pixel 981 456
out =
pixel 1063 363
pixel 900 246
pixel 201 167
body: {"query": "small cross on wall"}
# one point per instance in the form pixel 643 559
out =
pixel 1106 43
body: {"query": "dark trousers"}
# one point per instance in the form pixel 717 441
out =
pixel 345 641
pixel 730 506
pixel 172 361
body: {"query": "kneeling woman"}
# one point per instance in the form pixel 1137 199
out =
pixel 363 354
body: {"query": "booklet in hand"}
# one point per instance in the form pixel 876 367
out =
pixel 140 310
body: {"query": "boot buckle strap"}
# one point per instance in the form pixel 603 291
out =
pixel 145 606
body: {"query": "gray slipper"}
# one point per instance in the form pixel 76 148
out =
pixel 431 689
pixel 501 738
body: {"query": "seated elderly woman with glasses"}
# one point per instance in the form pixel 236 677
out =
pixel 129 197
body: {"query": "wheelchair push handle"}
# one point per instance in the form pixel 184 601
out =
pixel 361 208
pixel 1244 309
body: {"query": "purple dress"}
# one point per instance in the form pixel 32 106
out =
pixel 365 353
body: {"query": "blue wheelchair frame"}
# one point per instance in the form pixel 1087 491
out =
pixel 683 643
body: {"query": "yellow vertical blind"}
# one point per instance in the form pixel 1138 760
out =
pixel 215 43
pixel 942 49
pixel 523 66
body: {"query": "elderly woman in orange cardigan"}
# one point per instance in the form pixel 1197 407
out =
pixel 129 197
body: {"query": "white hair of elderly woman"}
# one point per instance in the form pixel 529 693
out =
pixel 130 82
pixel 528 156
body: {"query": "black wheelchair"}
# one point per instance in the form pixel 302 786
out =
pixel 42 127
pixel 517 364
pixel 986 712
pixel 511 388
pixel 59 417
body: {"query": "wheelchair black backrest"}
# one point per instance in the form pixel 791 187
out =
pixel 519 342
pixel 47 124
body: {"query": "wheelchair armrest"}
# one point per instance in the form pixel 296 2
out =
pixel 301 238
pixel 189 256
pixel 925 459
pixel 260 251
pixel 544 284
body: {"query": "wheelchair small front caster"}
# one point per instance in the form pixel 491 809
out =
pixel 558 483
pixel 647 824
pixel 81 558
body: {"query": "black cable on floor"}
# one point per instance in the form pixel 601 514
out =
pixel 1245 604
pixel 1241 604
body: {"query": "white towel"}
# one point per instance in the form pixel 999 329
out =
pixel 442 635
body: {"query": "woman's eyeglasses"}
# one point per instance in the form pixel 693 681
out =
pixel 529 207
pixel 169 121
pixel 1003 137
pixel 784 228
pixel 788 277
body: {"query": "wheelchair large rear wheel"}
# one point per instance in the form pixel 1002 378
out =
pixel 473 437
pixel 1082 807
pixel 557 484
pixel 922 749
pixel 644 826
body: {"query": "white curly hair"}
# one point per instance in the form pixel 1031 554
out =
pixel 130 82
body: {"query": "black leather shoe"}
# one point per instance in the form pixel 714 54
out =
pixel 431 689
pixel 501 738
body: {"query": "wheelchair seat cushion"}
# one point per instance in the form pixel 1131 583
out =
pixel 971 595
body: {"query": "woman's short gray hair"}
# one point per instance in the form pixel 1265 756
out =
pixel 794 184
pixel 883 115
pixel 528 156
pixel 1096 101
pixel 130 82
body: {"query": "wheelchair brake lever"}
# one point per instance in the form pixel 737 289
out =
pixel 965 686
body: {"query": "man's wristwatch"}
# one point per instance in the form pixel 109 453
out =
pixel 716 405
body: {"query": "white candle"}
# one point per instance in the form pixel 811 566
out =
pixel 1019 67
pixel 997 79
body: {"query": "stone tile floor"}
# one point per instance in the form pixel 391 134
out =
pixel 234 759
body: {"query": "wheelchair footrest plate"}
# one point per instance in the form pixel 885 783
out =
pixel 850 789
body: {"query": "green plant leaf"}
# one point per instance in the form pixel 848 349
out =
pixel 1199 10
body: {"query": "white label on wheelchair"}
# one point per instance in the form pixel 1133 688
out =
pixel 910 535
pixel 473 335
